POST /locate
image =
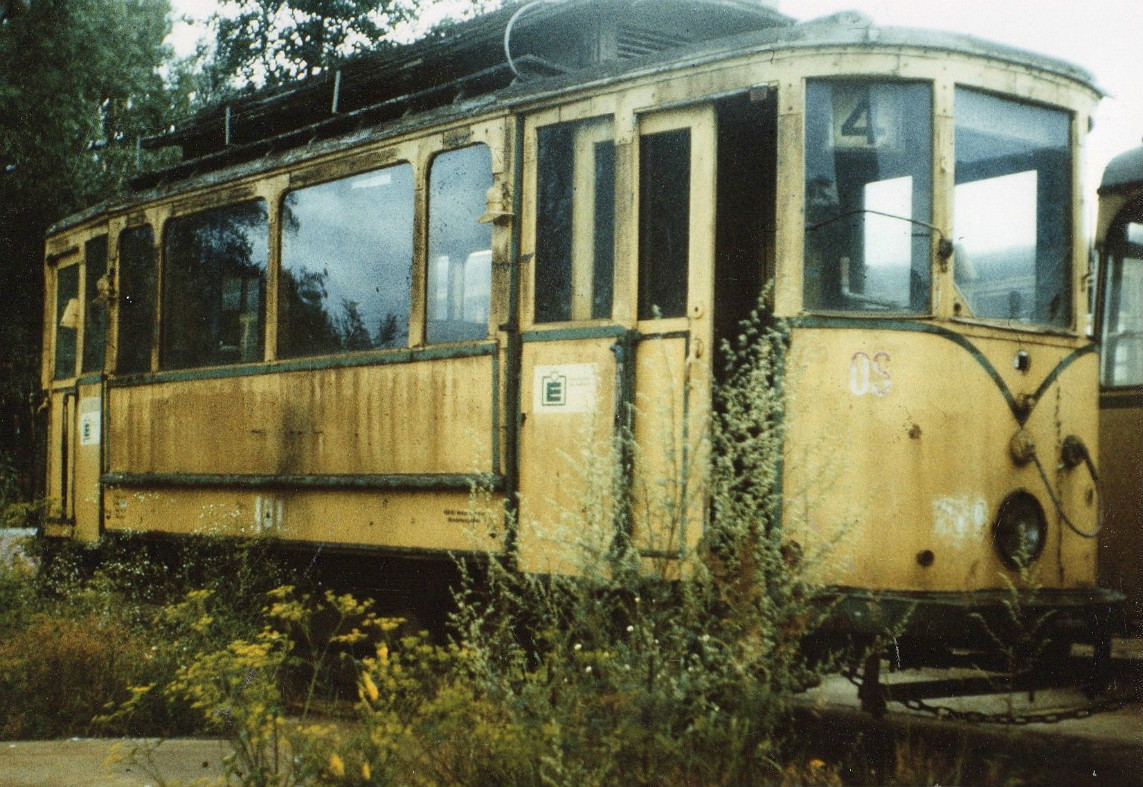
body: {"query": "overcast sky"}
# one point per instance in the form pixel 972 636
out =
pixel 1103 36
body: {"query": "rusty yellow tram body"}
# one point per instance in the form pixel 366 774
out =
pixel 1119 318
pixel 461 262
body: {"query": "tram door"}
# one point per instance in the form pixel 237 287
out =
pixel 75 436
pixel 617 287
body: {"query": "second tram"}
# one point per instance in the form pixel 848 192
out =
pixel 1119 320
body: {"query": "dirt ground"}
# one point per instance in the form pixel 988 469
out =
pixel 93 763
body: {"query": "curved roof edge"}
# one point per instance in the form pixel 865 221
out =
pixel 1126 169
pixel 855 28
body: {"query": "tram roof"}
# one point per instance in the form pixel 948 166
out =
pixel 1124 170
pixel 547 37
pixel 555 47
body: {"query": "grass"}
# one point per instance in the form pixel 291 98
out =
pixel 622 671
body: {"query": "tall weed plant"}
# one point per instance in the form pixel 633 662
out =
pixel 86 632
pixel 627 670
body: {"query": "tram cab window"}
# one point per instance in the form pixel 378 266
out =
pixel 1121 334
pixel 136 299
pixel 214 285
pixel 575 222
pixel 459 255
pixel 664 223
pixel 868 196
pixel 66 321
pixel 347 255
pixel 1012 210
pixel 95 294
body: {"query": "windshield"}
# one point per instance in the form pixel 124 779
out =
pixel 1012 210
pixel 868 195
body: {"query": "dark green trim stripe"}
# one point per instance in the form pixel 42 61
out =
pixel 73 383
pixel 1067 361
pixel 597 332
pixel 571 334
pixel 447 557
pixel 383 358
pixel 683 334
pixel 513 360
pixel 1021 412
pixel 460 482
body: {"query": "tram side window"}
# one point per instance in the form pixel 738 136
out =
pixel 347 255
pixel 214 283
pixel 664 223
pixel 868 196
pixel 95 303
pixel 136 299
pixel 575 222
pixel 1122 330
pixel 460 247
pixel 67 320
pixel 1012 210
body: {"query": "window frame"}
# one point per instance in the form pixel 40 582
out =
pixel 584 228
pixel 59 311
pixel 930 221
pixel 1115 250
pixel 268 277
pixel 391 158
pixel 424 265
pixel 1069 225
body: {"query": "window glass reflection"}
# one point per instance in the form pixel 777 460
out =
pixel 868 196
pixel 575 222
pixel 95 292
pixel 1122 331
pixel 67 320
pixel 460 256
pixel 347 250
pixel 1012 210
pixel 214 283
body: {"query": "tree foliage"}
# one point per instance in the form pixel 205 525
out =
pixel 79 81
pixel 274 42
pixel 269 43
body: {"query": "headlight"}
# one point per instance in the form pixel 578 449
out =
pixel 1020 530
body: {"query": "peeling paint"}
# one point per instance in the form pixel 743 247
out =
pixel 959 521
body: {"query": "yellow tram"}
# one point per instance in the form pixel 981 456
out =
pixel 1119 317
pixel 458 263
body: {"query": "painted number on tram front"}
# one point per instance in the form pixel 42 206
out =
pixel 869 374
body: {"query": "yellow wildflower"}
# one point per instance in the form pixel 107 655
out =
pixel 336 766
pixel 369 688
pixel 366 774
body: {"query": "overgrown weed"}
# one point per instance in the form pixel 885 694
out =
pixel 674 670
pixel 84 628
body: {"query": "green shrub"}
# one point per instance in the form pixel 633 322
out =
pixel 113 621
pixel 57 674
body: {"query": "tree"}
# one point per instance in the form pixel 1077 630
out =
pixel 79 81
pixel 274 42
pixel 269 43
